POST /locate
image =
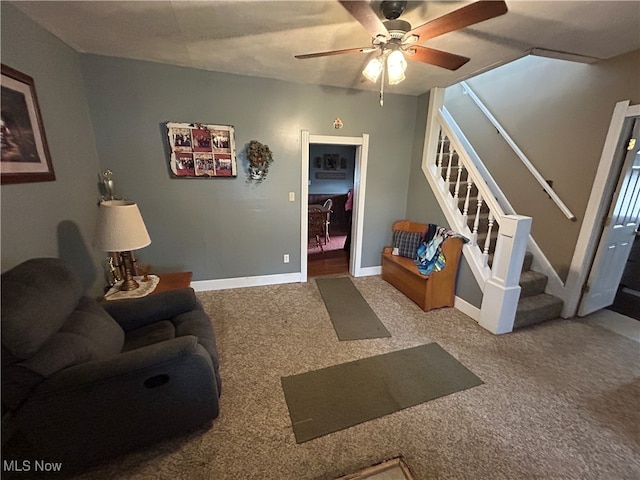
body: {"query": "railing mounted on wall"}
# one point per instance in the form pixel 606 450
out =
pixel 520 154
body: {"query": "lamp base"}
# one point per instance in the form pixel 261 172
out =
pixel 128 283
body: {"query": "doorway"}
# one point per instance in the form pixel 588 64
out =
pixel 602 194
pixel 617 235
pixel 360 146
pixel 331 174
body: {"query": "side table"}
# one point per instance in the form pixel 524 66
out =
pixel 173 281
pixel 166 282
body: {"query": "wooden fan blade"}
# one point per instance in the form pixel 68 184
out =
pixel 336 52
pixel 463 17
pixel 363 13
pixel 447 60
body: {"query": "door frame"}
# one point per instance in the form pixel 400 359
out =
pixel 604 186
pixel 359 188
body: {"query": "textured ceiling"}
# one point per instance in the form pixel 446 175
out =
pixel 260 38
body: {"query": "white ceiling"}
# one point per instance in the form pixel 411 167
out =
pixel 260 38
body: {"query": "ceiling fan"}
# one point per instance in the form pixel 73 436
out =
pixel 397 41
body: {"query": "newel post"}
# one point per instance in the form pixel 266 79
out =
pixel 502 290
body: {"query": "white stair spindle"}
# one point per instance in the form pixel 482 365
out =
pixel 487 242
pixel 476 221
pixel 447 178
pixel 465 209
pixel 440 152
pixel 456 192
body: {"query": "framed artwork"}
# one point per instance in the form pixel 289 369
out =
pixel 197 150
pixel 24 154
pixel 331 161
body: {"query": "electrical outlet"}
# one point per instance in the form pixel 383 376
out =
pixel 286 258
pixel 292 196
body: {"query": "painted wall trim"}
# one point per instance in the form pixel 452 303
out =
pixel 262 280
pixel 368 271
pixel 467 308
pixel 241 282
pixel 359 189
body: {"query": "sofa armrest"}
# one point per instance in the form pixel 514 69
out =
pixel 139 312
pixel 387 250
pixel 128 363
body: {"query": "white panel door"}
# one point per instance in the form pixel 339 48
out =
pixel 618 234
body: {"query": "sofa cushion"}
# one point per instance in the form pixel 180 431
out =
pixel 406 242
pixel 103 335
pixel 37 297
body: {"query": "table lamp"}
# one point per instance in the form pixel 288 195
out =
pixel 120 229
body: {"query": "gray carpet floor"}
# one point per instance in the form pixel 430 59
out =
pixel 560 400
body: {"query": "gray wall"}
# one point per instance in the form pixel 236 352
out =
pixel 228 228
pixel 54 219
pixel 558 113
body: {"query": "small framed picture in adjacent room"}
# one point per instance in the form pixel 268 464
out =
pixel 25 153
pixel 331 161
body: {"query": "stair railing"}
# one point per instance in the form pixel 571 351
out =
pixel 519 153
pixel 498 239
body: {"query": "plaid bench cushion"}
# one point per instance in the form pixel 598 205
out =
pixel 406 242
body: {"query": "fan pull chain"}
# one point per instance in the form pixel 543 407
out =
pixel 382 85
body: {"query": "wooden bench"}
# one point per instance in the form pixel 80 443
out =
pixel 435 290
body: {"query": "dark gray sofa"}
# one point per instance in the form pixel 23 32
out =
pixel 83 380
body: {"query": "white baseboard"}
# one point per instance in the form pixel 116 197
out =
pixel 241 282
pixel 368 271
pixel 258 281
pixel 466 308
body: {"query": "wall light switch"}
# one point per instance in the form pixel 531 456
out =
pixel 286 258
pixel 292 196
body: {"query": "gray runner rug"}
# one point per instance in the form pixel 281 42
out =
pixel 338 397
pixel 350 313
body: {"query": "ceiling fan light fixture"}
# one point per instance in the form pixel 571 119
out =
pixel 395 79
pixel 373 69
pixel 396 66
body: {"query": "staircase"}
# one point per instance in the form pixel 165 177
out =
pixel 499 239
pixel 534 305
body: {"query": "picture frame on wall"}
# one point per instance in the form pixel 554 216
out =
pixel 198 150
pixel 331 161
pixel 25 153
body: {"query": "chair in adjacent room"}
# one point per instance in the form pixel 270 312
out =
pixel 317 221
pixel 328 205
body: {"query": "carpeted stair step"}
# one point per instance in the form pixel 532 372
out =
pixel 528 260
pixel 537 309
pixel 532 283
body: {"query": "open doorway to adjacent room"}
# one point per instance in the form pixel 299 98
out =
pixel 330 197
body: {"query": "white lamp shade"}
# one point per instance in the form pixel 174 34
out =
pixel 373 70
pixel 396 65
pixel 120 227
